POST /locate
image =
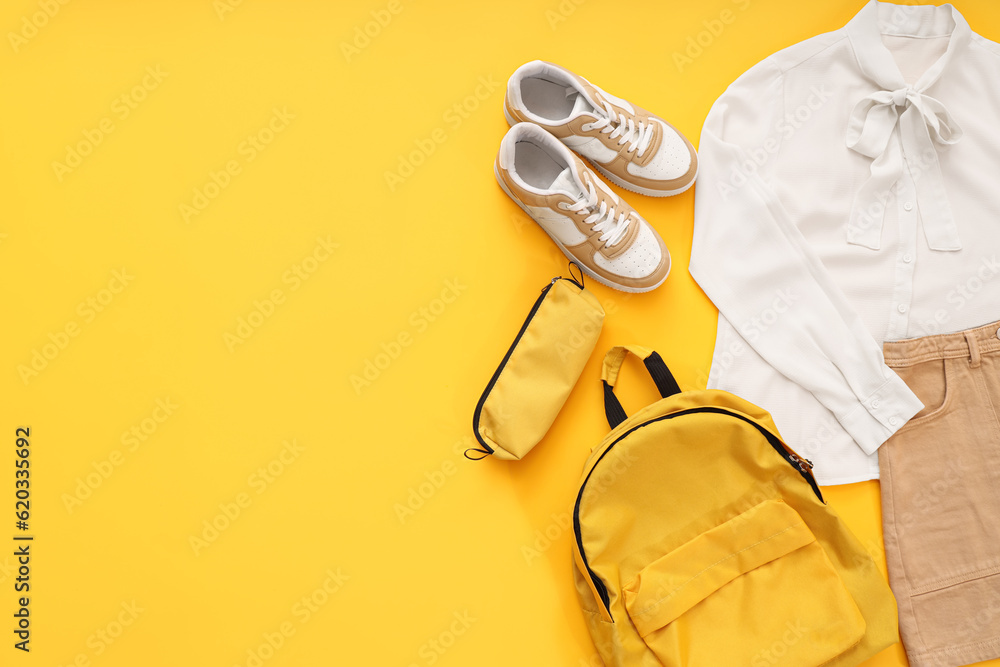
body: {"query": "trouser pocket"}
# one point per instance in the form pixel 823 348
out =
pixel 943 509
pixel 756 590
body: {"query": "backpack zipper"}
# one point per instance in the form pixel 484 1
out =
pixel 804 466
pixel 493 380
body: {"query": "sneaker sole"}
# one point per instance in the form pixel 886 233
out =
pixel 631 187
pixel 590 273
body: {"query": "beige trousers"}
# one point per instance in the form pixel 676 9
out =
pixel 940 481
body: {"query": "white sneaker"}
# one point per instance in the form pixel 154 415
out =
pixel 630 146
pixel 586 219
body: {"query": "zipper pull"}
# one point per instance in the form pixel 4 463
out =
pixel 549 286
pixel 805 465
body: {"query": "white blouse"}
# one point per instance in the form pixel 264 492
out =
pixel 849 194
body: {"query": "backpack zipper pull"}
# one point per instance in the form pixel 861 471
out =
pixel 805 465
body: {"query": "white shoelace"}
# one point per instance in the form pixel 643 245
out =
pixel 602 217
pixel 637 134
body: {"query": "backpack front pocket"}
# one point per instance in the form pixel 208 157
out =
pixel 757 590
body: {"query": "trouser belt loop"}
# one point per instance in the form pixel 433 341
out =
pixel 974 357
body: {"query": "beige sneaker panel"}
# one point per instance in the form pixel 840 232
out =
pixel 576 129
pixel 639 114
pixel 585 254
pixel 621 207
pixel 552 202
pixel 619 167
pixel 515 113
pixel 625 243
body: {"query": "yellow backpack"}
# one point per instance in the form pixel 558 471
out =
pixel 702 540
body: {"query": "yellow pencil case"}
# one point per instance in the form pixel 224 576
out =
pixel 535 377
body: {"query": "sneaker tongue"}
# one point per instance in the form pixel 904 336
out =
pixel 565 183
pixel 581 105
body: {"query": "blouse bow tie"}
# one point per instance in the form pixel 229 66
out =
pixel 923 122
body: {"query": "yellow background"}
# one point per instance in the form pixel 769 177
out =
pixel 476 545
